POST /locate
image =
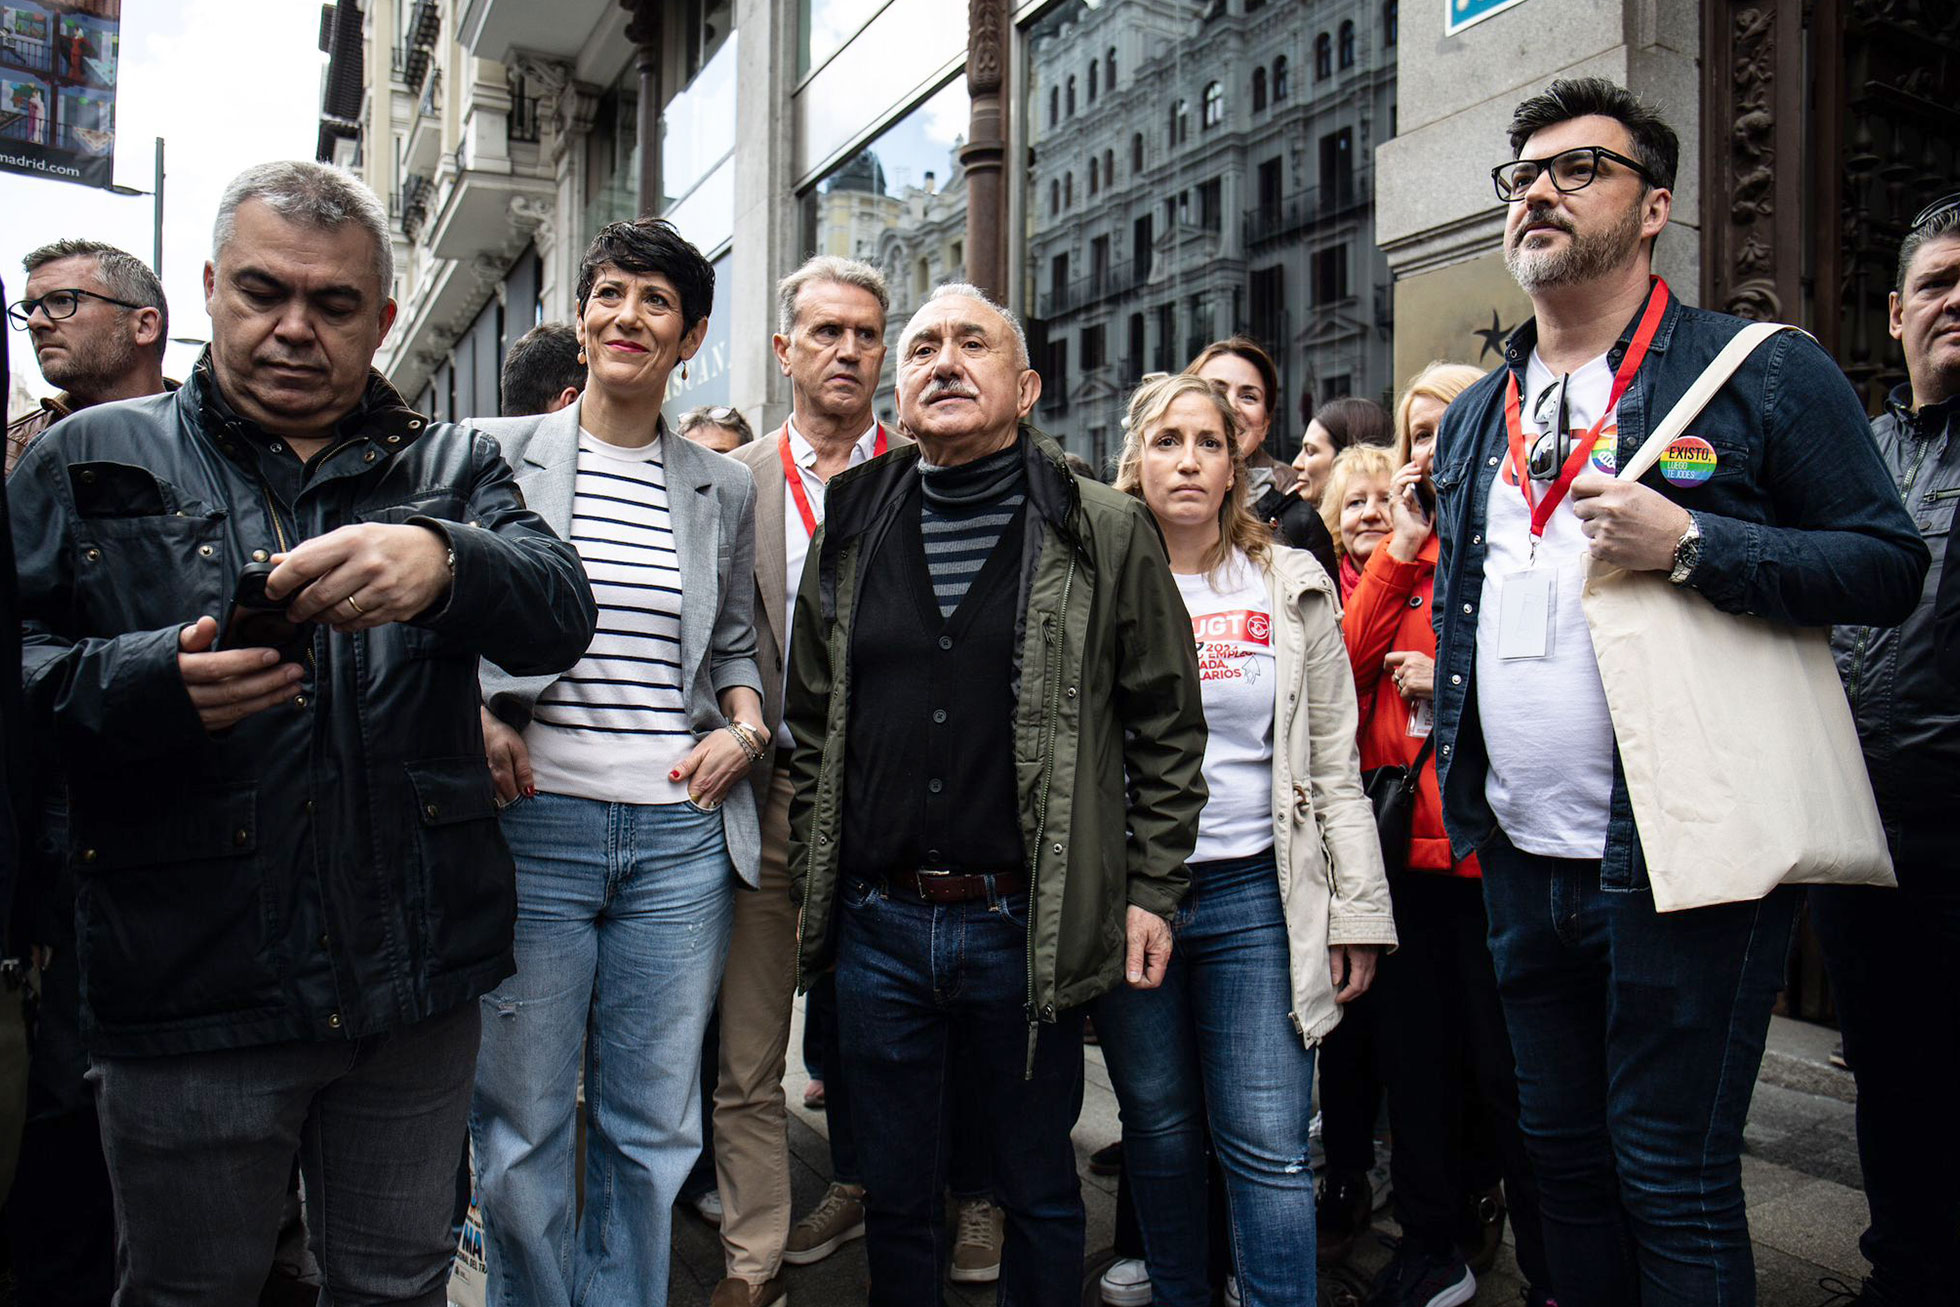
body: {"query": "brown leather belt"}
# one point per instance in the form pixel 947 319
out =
pixel 929 886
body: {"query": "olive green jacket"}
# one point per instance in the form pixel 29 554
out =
pixel 1106 692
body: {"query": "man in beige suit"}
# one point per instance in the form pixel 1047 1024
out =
pixel 830 343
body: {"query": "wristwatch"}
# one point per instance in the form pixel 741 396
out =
pixel 1687 552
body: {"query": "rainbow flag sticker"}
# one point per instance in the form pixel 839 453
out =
pixel 1688 461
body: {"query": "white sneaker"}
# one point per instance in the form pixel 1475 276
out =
pixel 708 1206
pixel 1126 1283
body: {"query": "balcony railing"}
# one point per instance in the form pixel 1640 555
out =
pixel 1270 222
pixel 419 43
pixel 417 192
pixel 431 96
pixel 1092 288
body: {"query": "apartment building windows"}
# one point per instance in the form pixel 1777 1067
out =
pixel 1347 45
pixel 1323 56
pixel 1094 352
pixel 1279 79
pixel 1214 106
pixel 1211 205
pixel 1258 89
pixel 1330 274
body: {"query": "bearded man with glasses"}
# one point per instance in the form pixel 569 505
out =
pixel 99 324
pixel 1637 1033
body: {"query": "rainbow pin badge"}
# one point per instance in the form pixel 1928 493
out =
pixel 1688 461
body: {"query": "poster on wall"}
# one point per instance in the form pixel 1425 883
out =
pixel 58 88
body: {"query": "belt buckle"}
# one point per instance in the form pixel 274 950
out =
pixel 933 882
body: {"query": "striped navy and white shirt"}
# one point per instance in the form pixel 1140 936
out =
pixel 616 724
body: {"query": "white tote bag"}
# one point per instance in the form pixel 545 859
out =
pixel 1741 758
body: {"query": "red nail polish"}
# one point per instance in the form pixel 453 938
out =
pixel 530 791
pixel 673 775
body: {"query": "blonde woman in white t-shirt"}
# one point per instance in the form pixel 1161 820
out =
pixel 1288 907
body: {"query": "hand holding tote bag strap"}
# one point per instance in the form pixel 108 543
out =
pixel 1391 792
pixel 1741 758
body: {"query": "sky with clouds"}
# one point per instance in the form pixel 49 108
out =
pixel 226 83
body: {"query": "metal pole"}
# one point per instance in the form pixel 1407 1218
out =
pixel 156 259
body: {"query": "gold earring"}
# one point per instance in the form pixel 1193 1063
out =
pixel 683 369
pixel 581 358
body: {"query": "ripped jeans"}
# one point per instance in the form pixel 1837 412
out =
pixel 1215 1045
pixel 623 916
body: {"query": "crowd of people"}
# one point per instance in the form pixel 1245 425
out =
pixel 405 808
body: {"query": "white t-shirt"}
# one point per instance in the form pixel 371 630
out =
pixel 1545 722
pixel 796 538
pixel 1233 623
pixel 616 724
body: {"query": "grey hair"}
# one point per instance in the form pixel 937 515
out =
pixel 1937 228
pixel 966 290
pixel 315 194
pixel 827 267
pixel 124 275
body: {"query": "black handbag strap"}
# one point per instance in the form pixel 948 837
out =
pixel 1422 754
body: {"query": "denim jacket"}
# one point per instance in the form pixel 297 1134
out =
pixel 1800 522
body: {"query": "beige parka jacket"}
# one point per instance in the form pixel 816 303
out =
pixel 1331 881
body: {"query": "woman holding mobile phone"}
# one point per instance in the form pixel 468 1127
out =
pixel 1444 1048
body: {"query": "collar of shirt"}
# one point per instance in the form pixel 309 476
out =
pixel 805 453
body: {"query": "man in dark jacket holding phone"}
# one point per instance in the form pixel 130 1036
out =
pixel 291 883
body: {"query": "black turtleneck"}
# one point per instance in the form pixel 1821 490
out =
pixel 964 510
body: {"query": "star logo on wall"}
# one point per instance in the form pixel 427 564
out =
pixel 1493 337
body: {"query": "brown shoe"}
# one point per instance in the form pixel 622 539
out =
pixel 834 1222
pixel 734 1292
pixel 976 1246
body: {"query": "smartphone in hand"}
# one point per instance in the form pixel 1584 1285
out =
pixel 256 622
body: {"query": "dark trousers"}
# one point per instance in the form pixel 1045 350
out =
pixel 61 1223
pixel 1638 1036
pixel 200 1149
pixel 821 1010
pixel 1351 1088
pixel 1891 956
pixel 1448 1067
pixel 913 979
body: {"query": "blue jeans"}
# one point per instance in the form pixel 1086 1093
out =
pixel 200 1149
pixel 1216 1044
pixel 914 980
pixel 623 914
pixel 1638 1036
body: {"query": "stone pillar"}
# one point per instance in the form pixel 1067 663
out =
pixel 767 215
pixel 984 155
pixel 643 30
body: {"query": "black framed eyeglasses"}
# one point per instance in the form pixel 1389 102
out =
pixel 59 304
pixel 1938 209
pixel 1571 170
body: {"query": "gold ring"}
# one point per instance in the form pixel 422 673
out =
pixel 358 610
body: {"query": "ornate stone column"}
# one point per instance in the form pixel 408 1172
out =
pixel 985 153
pixel 644 32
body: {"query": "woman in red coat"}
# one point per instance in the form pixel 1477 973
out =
pixel 1446 1054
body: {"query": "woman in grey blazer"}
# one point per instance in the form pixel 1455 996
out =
pixel 625 810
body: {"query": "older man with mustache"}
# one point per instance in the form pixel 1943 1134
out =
pixel 986 648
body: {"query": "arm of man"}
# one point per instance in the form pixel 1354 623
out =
pixel 517 594
pixel 1843 549
pixel 1162 714
pixel 806 708
pixel 120 695
pixel 731 656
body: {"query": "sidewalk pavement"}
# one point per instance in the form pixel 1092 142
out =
pixel 1799 1169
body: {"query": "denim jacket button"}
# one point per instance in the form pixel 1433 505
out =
pixel 1456 680
pixel 1445 751
pixel 1492 461
pixel 1476 539
pixel 1467 609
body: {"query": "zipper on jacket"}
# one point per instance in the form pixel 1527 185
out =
pixel 1041 805
pixel 1852 686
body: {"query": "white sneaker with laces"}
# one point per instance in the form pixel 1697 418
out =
pixel 1126 1283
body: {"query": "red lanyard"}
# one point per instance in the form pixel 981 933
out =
pixel 794 475
pixel 1541 511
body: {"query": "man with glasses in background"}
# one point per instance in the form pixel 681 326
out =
pixel 99 323
pixel 1890 952
pixel 1637 1034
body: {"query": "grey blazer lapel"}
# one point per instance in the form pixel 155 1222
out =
pixel 692 511
pixel 548 469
